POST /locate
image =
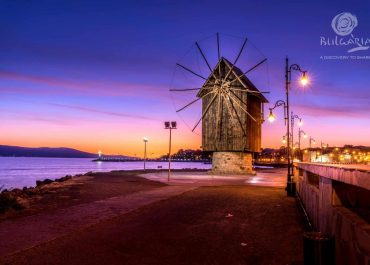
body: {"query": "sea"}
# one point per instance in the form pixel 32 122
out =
pixel 19 172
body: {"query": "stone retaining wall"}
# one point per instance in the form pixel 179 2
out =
pixel 328 215
pixel 232 163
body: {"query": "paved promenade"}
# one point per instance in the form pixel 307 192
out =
pixel 266 177
pixel 29 231
pixel 196 219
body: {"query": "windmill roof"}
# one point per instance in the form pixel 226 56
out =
pixel 244 79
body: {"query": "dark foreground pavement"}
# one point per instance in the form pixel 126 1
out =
pixel 210 225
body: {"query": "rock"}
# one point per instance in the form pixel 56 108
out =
pixel 16 192
pixel 30 191
pixel 43 182
pixel 48 181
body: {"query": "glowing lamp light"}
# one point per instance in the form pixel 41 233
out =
pixel 304 79
pixel 305 135
pixel 145 139
pixel 271 117
pixel 283 140
pixel 300 123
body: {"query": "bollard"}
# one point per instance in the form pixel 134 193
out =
pixel 318 249
pixel 291 189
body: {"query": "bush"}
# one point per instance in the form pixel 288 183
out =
pixel 8 201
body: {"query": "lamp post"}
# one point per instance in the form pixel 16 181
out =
pixel 323 146
pixel 292 118
pixel 300 131
pixel 170 126
pixel 145 139
pixel 272 118
pixel 310 142
pixel 291 186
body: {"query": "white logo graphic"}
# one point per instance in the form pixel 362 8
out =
pixel 344 23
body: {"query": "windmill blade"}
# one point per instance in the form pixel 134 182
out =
pixel 238 118
pixel 240 106
pixel 192 102
pixel 249 70
pixel 218 113
pixel 219 55
pixel 235 95
pixel 218 46
pixel 221 116
pixel 230 111
pixel 249 91
pixel 205 59
pixel 205 112
pixel 191 71
pixel 185 89
pixel 236 60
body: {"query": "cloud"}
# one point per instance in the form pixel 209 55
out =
pixel 15 115
pixel 354 110
pixel 104 112
pixel 90 87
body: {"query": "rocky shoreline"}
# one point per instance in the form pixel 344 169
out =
pixel 17 199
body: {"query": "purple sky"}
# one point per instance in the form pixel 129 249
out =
pixel 95 74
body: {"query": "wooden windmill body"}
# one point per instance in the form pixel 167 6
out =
pixel 232 113
pixel 232 116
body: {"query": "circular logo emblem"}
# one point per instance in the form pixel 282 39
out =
pixel 344 23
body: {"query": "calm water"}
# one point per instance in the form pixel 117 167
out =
pixel 18 172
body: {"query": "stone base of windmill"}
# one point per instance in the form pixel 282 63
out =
pixel 232 163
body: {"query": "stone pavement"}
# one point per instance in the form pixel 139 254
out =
pixel 26 232
pixel 267 177
pixel 29 231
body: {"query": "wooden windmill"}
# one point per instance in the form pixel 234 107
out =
pixel 232 114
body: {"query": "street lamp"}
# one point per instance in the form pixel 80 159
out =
pixel 311 141
pixel 145 139
pixel 304 79
pixel 291 186
pixel 300 123
pixel 170 126
pixel 300 132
